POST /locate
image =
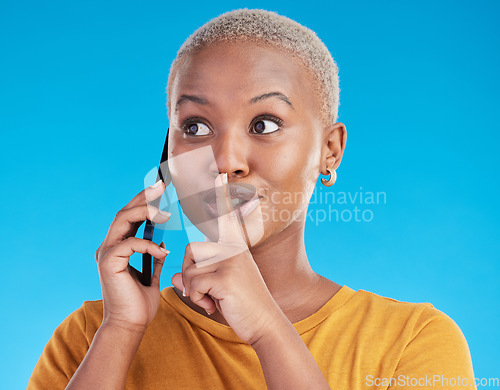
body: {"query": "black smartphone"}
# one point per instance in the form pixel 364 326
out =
pixel 147 261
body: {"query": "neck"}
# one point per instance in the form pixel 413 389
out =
pixel 284 266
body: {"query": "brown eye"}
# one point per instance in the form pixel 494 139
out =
pixel 265 127
pixel 196 128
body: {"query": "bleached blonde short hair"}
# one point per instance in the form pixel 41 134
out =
pixel 272 29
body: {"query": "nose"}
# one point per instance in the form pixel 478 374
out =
pixel 231 154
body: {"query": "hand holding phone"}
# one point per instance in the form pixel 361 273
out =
pixel 127 303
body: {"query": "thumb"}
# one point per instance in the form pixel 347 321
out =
pixel 157 267
pixel 177 282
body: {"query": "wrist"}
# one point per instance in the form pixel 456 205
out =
pixel 277 332
pixel 284 358
pixel 108 360
pixel 119 328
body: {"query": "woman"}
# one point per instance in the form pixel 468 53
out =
pixel 260 93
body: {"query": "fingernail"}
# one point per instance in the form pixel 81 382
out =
pixel 164 250
pixel 165 213
pixel 207 311
pixel 224 178
pixel 183 291
pixel 157 184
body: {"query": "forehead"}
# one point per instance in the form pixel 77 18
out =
pixel 230 72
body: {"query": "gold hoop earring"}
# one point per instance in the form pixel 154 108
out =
pixel 331 180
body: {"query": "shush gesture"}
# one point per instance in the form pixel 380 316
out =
pixel 223 275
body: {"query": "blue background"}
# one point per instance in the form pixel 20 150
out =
pixel 83 119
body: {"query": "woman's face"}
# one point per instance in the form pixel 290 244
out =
pixel 249 111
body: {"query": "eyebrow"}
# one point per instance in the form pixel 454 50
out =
pixel 203 101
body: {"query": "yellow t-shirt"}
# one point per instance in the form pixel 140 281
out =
pixel 360 341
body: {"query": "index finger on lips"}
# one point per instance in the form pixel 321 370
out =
pixel 230 230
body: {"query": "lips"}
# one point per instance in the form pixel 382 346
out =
pixel 244 197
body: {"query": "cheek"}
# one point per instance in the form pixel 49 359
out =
pixel 293 183
pixel 190 169
pixel 298 166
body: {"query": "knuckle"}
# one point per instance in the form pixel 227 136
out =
pixel 101 252
pixel 195 296
pixel 189 250
pixel 195 284
pixel 119 216
pixel 102 256
pixel 151 211
pixel 130 240
pixel 140 198
pixel 152 244
pixel 186 274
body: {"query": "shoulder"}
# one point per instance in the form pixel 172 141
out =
pixel 376 315
pixel 81 323
pixel 84 320
pixel 92 313
pixel 417 315
pixel 429 341
pixel 67 347
pixel 406 326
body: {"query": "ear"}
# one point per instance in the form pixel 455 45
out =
pixel 333 147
